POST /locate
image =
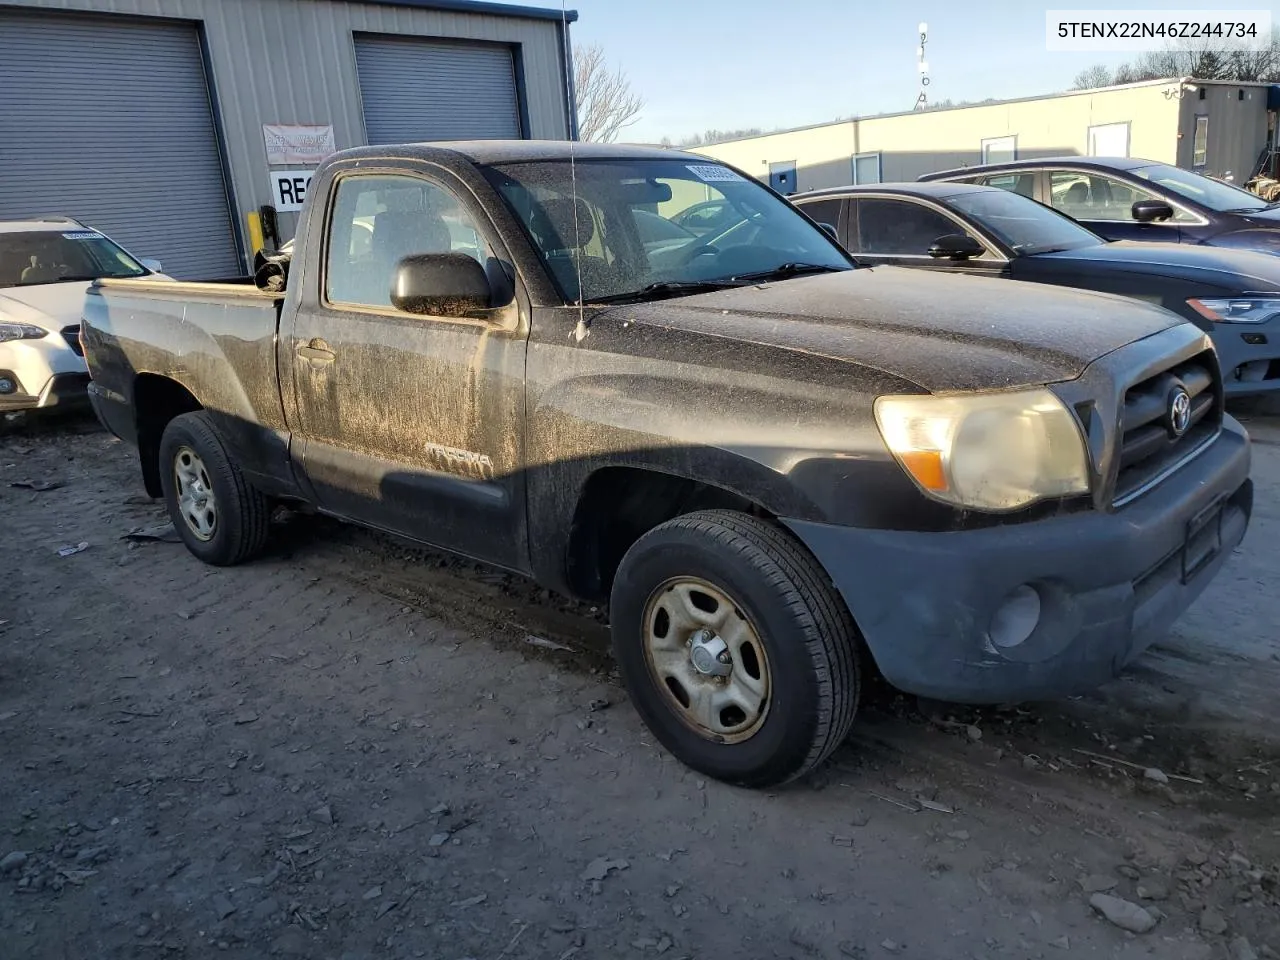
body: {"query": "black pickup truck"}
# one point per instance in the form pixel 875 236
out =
pixel 777 467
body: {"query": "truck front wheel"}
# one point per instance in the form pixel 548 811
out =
pixel 220 517
pixel 735 648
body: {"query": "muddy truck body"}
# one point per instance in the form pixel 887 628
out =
pixel 780 469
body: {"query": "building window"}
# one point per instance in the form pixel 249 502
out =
pixel 866 168
pixel 999 149
pixel 1109 140
pixel 1200 146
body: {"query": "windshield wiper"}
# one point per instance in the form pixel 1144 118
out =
pixel 677 288
pixel 674 288
pixel 71 279
pixel 783 271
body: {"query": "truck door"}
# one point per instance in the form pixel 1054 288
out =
pixel 407 422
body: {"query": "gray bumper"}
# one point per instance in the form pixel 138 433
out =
pixel 1249 367
pixel 1109 583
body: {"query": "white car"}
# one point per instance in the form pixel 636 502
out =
pixel 45 265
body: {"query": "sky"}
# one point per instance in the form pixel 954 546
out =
pixel 729 64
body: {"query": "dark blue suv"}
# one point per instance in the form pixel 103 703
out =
pixel 1121 198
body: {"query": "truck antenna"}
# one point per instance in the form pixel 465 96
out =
pixel 580 330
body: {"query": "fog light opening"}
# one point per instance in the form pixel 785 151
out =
pixel 1016 618
pixel 1254 371
pixel 7 386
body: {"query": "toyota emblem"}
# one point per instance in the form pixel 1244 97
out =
pixel 1179 411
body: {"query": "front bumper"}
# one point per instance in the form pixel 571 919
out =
pixel 45 373
pixel 1110 584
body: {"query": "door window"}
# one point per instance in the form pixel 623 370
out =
pixel 824 211
pixel 899 228
pixel 866 168
pixel 1023 183
pixel 1091 196
pixel 377 221
pixel 1200 145
pixel 999 149
pixel 1109 140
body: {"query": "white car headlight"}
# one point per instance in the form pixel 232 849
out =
pixel 993 452
pixel 21 331
pixel 1237 309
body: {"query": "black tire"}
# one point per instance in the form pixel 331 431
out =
pixel 243 517
pixel 811 642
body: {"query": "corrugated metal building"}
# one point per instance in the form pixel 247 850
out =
pixel 145 118
pixel 1213 127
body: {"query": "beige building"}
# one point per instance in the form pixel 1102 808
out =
pixel 1213 127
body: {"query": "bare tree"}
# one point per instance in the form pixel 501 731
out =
pixel 1125 73
pixel 605 100
pixel 719 136
pixel 1089 78
pixel 1257 65
pixel 1200 60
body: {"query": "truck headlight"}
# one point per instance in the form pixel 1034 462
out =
pixel 992 452
pixel 1237 309
pixel 21 331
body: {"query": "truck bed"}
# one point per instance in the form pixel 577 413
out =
pixel 218 340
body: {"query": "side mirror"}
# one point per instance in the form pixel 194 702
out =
pixel 831 230
pixel 1151 211
pixel 956 246
pixel 440 284
pixel 152 265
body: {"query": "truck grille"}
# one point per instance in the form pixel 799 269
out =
pixel 1150 444
pixel 71 334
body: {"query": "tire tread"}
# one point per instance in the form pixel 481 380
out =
pixel 830 636
pixel 250 508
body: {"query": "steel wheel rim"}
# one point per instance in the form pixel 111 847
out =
pixel 196 502
pixel 677 617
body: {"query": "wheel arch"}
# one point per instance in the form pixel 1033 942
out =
pixel 157 399
pixel 580 541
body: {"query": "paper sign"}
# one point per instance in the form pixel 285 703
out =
pixel 711 173
pixel 289 189
pixel 295 143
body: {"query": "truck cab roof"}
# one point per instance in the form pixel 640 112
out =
pixel 489 152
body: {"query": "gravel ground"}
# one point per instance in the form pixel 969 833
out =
pixel 358 749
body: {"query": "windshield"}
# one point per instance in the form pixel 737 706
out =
pixel 606 234
pixel 1213 194
pixel 61 256
pixel 1023 225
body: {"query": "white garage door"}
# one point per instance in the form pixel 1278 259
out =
pixel 414 90
pixel 108 120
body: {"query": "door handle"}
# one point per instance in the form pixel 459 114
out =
pixel 317 351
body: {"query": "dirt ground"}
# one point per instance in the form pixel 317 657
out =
pixel 353 749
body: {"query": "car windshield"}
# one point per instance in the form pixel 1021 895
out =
pixel 592 224
pixel 1214 194
pixel 1022 224
pixel 31 257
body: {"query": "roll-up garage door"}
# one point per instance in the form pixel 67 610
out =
pixel 414 90
pixel 108 120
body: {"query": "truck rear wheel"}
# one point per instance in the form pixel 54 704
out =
pixel 220 517
pixel 735 648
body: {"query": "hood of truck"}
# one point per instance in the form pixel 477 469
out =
pixel 941 332
pixel 51 306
